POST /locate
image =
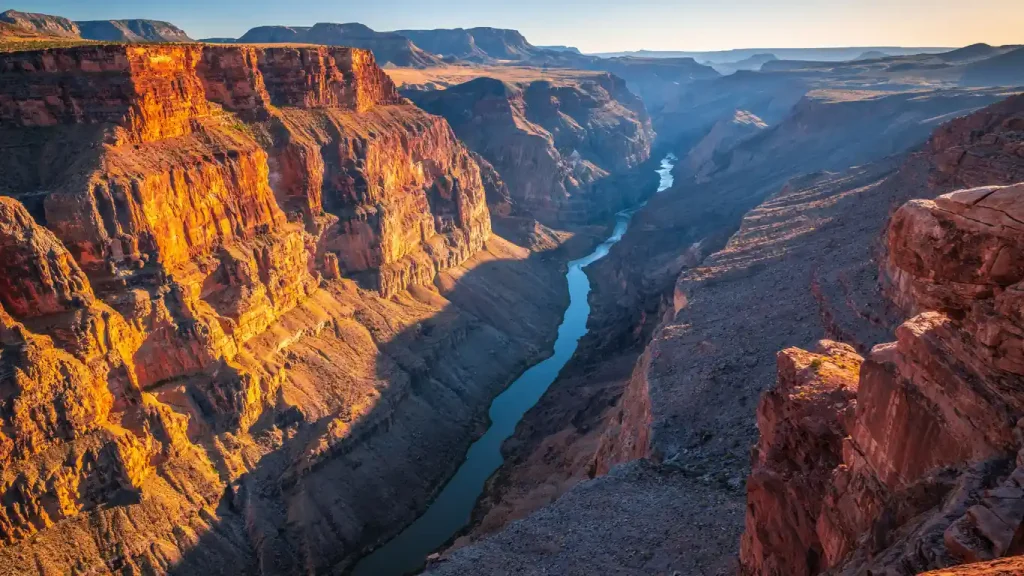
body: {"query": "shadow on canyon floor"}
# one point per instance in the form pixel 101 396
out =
pixel 318 501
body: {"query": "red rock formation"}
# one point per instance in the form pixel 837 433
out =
pixel 926 474
pixel 945 395
pixel 403 204
pixel 149 92
pixel 155 319
pixel 37 275
pixel 333 77
pixel 55 406
pixel 802 421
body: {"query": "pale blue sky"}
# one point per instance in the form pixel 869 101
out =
pixel 603 25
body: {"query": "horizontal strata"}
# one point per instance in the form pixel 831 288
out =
pixel 181 230
pixel 152 92
pixel 400 213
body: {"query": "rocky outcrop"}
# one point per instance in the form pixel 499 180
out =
pixel 802 423
pixel 927 476
pixel 388 47
pixel 935 410
pixel 554 144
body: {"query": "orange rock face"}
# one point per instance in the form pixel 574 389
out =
pixel 163 227
pixel 52 402
pixel 148 92
pixel 37 275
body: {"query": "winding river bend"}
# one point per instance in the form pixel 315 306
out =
pixel 451 510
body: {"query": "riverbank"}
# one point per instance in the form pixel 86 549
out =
pixel 451 510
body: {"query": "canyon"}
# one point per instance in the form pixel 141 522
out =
pixel 236 276
pixel 661 436
pixel 287 304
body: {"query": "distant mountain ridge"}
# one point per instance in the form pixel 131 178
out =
pixel 132 31
pixel 136 30
pixel 816 54
pixel 42 24
pixel 388 47
pixel 571 49
pixel 473 44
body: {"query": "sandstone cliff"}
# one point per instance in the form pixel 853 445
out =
pixel 232 277
pixel 555 144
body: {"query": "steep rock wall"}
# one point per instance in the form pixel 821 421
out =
pixel 554 144
pixel 927 476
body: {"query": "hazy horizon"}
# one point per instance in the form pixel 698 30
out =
pixel 605 25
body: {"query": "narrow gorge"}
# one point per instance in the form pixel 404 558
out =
pixel 450 511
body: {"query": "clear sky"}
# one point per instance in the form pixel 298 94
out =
pixel 603 25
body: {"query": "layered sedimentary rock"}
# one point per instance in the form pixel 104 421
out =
pixel 187 358
pixel 73 424
pixel 554 144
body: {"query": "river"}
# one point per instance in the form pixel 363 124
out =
pixel 451 510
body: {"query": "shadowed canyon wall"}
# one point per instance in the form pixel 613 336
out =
pixel 556 144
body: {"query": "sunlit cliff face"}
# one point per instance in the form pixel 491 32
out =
pixel 192 196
